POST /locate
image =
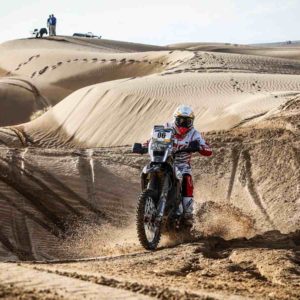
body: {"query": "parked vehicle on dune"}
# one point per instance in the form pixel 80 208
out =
pixel 87 35
pixel 161 182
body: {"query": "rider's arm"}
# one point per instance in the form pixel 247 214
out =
pixel 205 148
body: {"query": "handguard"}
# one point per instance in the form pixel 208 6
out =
pixel 138 148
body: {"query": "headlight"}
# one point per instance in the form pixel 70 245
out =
pixel 158 147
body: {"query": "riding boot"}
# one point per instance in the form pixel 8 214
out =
pixel 179 210
pixel 188 209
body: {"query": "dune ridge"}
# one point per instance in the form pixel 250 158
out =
pixel 279 51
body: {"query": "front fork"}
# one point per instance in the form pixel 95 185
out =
pixel 163 198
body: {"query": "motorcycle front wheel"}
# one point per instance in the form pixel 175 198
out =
pixel 148 229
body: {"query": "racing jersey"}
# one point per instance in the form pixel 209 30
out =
pixel 183 141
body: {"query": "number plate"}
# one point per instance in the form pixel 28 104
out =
pixel 162 135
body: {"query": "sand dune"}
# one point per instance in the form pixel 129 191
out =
pixel 54 68
pixel 69 183
pixel 124 111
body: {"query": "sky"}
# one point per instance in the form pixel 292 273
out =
pixel 158 22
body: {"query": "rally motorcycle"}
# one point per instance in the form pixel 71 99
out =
pixel 161 182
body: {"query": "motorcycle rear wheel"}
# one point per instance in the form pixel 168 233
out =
pixel 149 232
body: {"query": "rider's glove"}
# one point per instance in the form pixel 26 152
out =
pixel 205 150
pixel 194 146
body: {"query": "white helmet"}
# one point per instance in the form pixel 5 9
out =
pixel 183 119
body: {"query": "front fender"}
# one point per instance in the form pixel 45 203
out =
pixel 151 168
pixel 147 172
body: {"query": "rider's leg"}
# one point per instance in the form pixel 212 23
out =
pixel 187 194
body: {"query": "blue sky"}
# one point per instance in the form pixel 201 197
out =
pixel 158 22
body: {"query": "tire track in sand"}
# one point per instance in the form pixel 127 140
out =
pixel 139 289
pixel 19 226
pixel 252 188
pixel 31 195
pixel 57 286
pixel 235 160
pixel 28 214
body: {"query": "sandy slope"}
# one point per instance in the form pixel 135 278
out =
pixel 65 199
pixel 46 194
pixel 238 194
pixel 122 112
pixel 239 191
pixel 247 198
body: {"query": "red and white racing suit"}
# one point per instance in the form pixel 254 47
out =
pixel 182 163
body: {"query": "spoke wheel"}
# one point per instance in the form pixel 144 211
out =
pixel 147 228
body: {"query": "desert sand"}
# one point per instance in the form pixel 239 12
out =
pixel 69 182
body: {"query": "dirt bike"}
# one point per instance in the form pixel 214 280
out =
pixel 161 182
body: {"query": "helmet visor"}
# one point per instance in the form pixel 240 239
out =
pixel 184 122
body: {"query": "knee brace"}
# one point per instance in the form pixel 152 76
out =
pixel 187 186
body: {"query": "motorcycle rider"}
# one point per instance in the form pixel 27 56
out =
pixel 186 136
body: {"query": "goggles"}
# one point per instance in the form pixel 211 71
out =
pixel 184 122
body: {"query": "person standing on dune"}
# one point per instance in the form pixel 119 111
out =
pixel 52 25
pixel 48 24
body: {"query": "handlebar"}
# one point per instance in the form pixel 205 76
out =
pixel 138 148
pixel 187 150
